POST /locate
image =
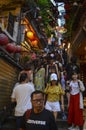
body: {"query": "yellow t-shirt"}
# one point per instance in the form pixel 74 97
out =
pixel 54 93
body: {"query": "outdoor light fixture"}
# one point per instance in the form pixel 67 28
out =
pixel 30 35
pixel 75 4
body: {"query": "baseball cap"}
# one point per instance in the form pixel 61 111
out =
pixel 52 55
pixel 53 77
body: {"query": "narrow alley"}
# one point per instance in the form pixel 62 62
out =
pixel 43 45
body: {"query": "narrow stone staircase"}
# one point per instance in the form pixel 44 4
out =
pixel 62 120
pixel 62 123
pixel 10 122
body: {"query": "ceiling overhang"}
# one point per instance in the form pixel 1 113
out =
pixel 9 5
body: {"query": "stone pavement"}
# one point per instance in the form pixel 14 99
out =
pixel 62 124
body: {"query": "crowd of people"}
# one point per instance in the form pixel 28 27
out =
pixel 40 91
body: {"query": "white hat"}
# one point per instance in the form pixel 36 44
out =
pixel 52 55
pixel 53 76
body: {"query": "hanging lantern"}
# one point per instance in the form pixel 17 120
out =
pixel 3 39
pixel 11 47
pixel 34 43
pixel 67 7
pixel 30 35
pixel 66 16
pixel 18 49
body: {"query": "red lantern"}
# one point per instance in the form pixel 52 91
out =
pixel 30 35
pixel 3 39
pixel 34 43
pixel 18 49
pixel 11 47
pixel 67 6
pixel 66 16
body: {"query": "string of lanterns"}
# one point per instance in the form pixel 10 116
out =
pixel 12 47
pixel 32 38
pixel 9 47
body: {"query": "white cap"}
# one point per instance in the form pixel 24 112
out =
pixel 52 55
pixel 53 76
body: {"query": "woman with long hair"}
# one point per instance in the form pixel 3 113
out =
pixel 55 94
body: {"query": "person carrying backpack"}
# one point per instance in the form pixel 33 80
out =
pixel 72 66
pixel 38 118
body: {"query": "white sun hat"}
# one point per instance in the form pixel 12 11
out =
pixel 53 76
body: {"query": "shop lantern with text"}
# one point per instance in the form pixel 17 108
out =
pixel 30 35
pixel 67 7
pixel 11 47
pixel 66 16
pixel 3 39
pixel 18 49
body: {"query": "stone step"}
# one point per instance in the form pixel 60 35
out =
pixel 62 128
pixel 62 123
pixel 9 124
pixel 61 114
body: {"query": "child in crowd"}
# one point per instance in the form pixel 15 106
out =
pixel 51 67
pixel 75 109
pixel 63 79
pixel 54 94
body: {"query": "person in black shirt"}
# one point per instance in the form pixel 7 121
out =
pixel 72 66
pixel 38 118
